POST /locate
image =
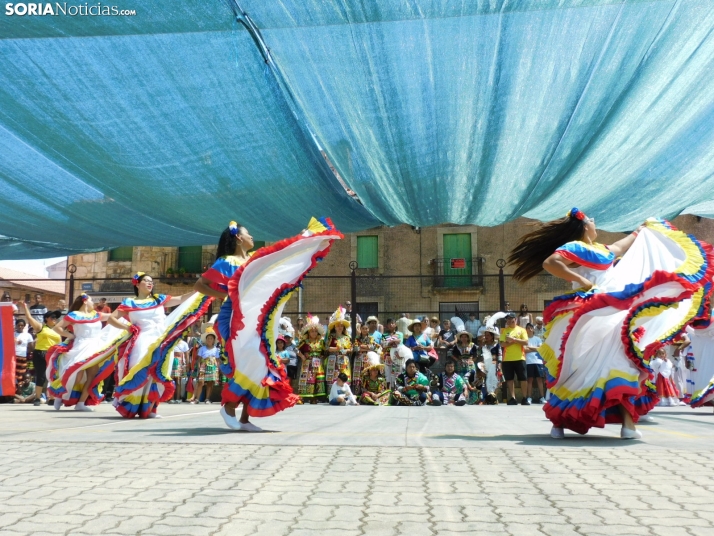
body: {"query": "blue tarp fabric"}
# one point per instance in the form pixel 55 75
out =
pixel 159 128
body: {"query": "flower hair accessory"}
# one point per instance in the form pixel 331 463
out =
pixel 233 228
pixel 84 296
pixel 135 279
pixel 576 213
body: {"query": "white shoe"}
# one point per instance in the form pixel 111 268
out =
pixel 557 433
pixel 231 422
pixel 81 407
pixel 542 400
pixel 530 400
pixel 58 404
pixel 249 427
pixel 647 418
pixel 155 416
pixel 626 433
pixel 682 403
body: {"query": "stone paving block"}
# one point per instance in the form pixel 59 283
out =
pixel 613 529
pixel 470 528
pixel 11 518
pixel 559 530
pixel 411 528
pixel 523 529
pixel 134 524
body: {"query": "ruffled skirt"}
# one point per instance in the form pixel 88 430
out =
pixel 599 343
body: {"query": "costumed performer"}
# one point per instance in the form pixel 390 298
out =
pixel 374 385
pixel 601 337
pixel 259 286
pixel 339 347
pixel 311 350
pixel 364 344
pixel 143 369
pixel 662 369
pixel 701 373
pixel 76 367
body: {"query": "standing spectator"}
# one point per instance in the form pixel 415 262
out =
pixel 300 325
pixel 364 344
pixel 431 328
pixel 291 351
pixel 524 316
pixel 373 325
pixel 311 350
pixel 102 307
pixel 464 354
pixel 513 340
pixel 62 304
pixel 23 343
pixel 492 359
pixel 447 337
pixel 472 325
pixel 348 313
pixel 534 365
pixel 403 324
pixel 7 298
pixel 38 310
pixel 207 367
pixel 45 338
pixel 391 339
pixel 25 391
pixel 340 393
pixel 412 387
pixel 451 390
pixel 421 346
pixel 539 328
pixel 180 367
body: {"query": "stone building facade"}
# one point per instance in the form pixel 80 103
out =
pixel 411 270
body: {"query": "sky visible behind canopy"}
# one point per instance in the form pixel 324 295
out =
pixel 159 128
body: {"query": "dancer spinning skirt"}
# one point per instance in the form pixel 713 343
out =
pixel 600 338
pixel 701 378
pixel 258 290
pixel 339 347
pixel 144 364
pixel 76 367
pixel 662 369
pixel 311 349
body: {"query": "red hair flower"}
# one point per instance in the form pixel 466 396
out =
pixel 576 213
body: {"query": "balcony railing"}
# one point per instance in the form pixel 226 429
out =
pixel 458 272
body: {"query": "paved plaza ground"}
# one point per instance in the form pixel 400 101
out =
pixel 351 471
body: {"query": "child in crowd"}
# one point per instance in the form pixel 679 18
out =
pixel 207 367
pixel 341 394
pixel 25 391
pixel 178 373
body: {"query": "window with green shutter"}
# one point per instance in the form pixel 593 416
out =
pixel 367 252
pixel 121 254
pixel 189 258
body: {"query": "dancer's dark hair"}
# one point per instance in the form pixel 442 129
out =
pixel 535 247
pixel 77 303
pixel 136 287
pixel 227 242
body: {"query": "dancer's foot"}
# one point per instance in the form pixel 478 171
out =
pixel 249 427
pixel 629 433
pixel 155 416
pixel 231 421
pixel 557 433
pixel 647 418
pixel 81 407
pixel 542 400
pixel 58 404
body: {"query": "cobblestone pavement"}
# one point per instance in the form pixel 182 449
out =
pixel 72 473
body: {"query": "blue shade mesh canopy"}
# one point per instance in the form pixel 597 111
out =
pixel 158 129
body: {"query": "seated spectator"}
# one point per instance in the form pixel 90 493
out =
pixel 403 324
pixel 412 387
pixel 447 337
pixel 373 325
pixel 451 388
pixel 25 391
pixel 534 364
pixel 421 346
pixel 340 393
pixel 464 350
pixel 374 386
pixel 431 327
pixel 472 325
pixel 474 381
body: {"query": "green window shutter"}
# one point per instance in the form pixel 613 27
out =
pixel 368 252
pixel 121 254
pixel 189 258
pixel 458 247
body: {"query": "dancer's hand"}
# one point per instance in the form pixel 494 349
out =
pixel 585 283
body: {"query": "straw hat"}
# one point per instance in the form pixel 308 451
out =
pixel 464 332
pixel 313 322
pixel 377 366
pixel 372 319
pixel 206 333
pixel 420 322
pixel 338 317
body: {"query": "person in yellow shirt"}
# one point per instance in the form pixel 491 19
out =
pixel 513 340
pixel 45 338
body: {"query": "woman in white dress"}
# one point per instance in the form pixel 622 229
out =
pixel 701 374
pixel 601 337
pixel 77 366
pixel 144 364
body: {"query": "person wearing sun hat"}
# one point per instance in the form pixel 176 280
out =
pixel 373 325
pixel 374 386
pixel 464 357
pixel 421 346
pixel 364 346
pixel 339 347
pixel 311 350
